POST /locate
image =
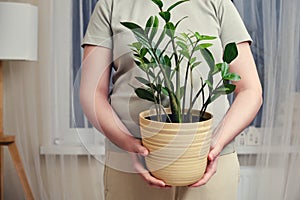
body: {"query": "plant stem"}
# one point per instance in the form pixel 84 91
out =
pixel 177 69
pixel 204 107
pixel 191 96
pixel 186 77
pixel 196 97
pixel 154 97
pixel 175 107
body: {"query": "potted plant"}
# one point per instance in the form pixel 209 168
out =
pixel 177 135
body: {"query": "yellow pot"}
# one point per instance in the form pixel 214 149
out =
pixel 178 151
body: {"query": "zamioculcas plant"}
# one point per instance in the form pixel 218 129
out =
pixel 163 67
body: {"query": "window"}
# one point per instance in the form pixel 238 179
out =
pixel 72 133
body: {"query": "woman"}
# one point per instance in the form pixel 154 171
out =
pixel 116 114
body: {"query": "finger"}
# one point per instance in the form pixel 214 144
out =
pixel 139 148
pixel 146 175
pixel 152 180
pixel 210 171
pixel 214 153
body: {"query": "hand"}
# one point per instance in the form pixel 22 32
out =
pixel 211 167
pixel 138 151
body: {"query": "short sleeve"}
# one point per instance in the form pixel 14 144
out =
pixel 99 28
pixel 232 28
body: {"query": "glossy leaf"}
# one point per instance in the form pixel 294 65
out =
pixel 132 26
pixel 164 91
pixel 193 60
pixel 207 55
pixel 230 53
pixel 205 45
pixel 142 80
pixel 182 45
pixel 149 24
pixel 170 29
pixel 207 37
pixel 159 3
pixel 217 68
pixel 138 32
pixel 224 70
pixel 160 39
pixel 214 97
pixel 195 64
pixel 176 4
pixel 154 28
pixel 144 94
pixel 232 77
pixel 225 89
pixel 136 45
pixel 165 15
pixel 209 83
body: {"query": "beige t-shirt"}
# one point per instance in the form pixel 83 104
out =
pixel 208 17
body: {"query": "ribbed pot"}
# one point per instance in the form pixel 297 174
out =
pixel 178 151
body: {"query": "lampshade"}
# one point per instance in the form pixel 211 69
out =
pixel 18 31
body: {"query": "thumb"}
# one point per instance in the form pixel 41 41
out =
pixel 213 154
pixel 140 149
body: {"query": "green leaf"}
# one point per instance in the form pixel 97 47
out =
pixel 193 60
pixel 182 45
pixel 138 32
pixel 159 3
pixel 142 65
pixel 224 89
pixel 195 64
pixel 207 55
pixel 176 4
pixel 206 37
pixel 143 52
pixel 221 90
pixel 224 70
pixel 185 53
pixel 165 15
pixel 217 68
pixel 230 88
pixel 170 29
pixel 142 80
pixel 160 39
pixel 164 90
pixel 132 26
pixel 138 63
pixel 154 28
pixel 230 53
pixel 148 25
pixel 197 35
pixel 167 61
pixel 232 77
pixel 205 45
pixel 185 35
pixel 209 83
pixel 136 45
pixel 144 94
pixel 214 97
pixel 151 74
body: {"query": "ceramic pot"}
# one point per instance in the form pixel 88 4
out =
pixel 178 151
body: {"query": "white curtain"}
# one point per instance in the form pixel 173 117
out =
pixel 30 105
pixel 57 169
pixel 275 27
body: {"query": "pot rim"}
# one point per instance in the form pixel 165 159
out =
pixel 170 125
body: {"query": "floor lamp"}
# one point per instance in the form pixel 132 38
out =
pixel 18 41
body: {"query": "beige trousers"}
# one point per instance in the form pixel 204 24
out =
pixel 124 185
